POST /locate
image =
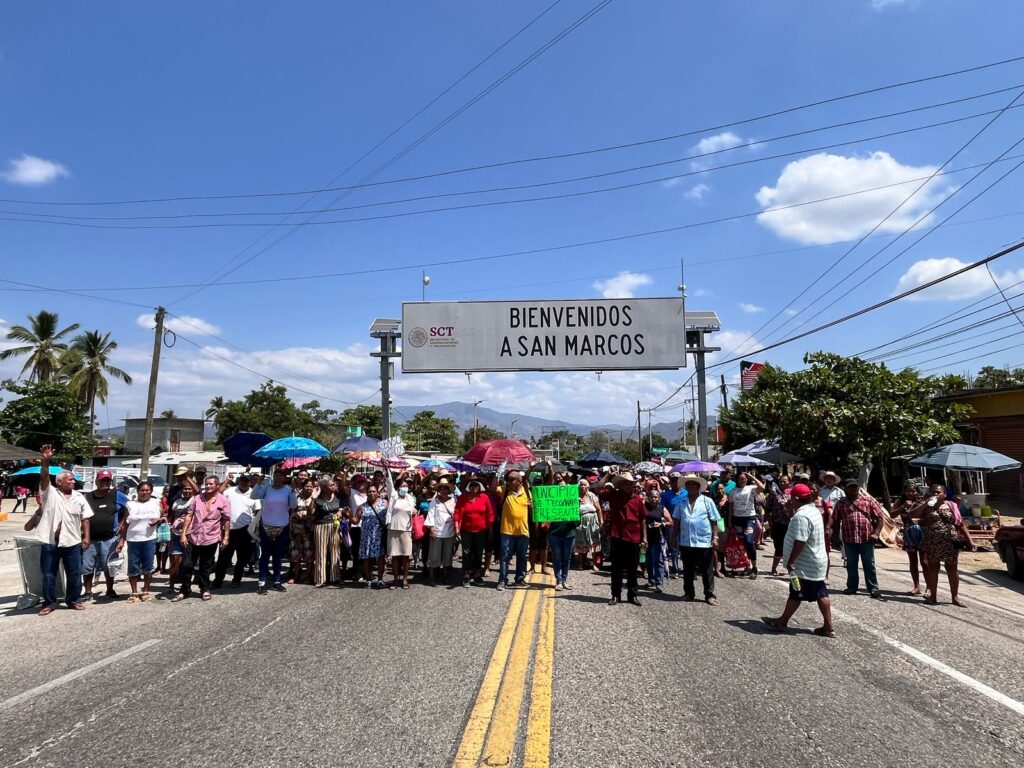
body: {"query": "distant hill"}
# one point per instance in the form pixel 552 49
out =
pixel 529 426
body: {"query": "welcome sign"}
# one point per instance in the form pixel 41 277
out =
pixel 583 335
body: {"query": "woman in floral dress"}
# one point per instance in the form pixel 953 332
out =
pixel 373 517
pixel 943 527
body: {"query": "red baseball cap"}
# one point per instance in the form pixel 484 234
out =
pixel 800 491
pixel 104 474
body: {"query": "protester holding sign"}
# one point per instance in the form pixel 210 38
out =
pixel 625 523
pixel 558 507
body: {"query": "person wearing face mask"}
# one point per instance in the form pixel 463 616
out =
pixel 474 517
pixel 138 529
pixel 401 510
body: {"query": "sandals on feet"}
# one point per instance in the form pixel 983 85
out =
pixel 133 598
pixel 178 598
pixel 147 597
pixel 822 632
pixel 773 624
pixel 207 596
pixel 46 610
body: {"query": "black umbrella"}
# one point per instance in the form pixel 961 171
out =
pixel 241 446
pixel 601 459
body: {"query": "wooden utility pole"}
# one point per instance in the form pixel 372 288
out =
pixel 154 372
pixel 639 432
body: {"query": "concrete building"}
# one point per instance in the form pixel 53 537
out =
pixel 168 434
pixel 997 423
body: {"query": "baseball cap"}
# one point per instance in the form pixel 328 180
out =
pixel 104 474
pixel 800 491
pixel 182 470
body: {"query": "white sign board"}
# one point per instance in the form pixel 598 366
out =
pixel 583 335
pixel 392 448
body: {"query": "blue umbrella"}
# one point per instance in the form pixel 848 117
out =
pixel 241 448
pixel 964 458
pixel 432 464
pixel 363 443
pixel 464 466
pixel 742 460
pixel 600 458
pixel 54 470
pixel 291 448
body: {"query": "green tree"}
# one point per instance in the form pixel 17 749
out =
pixel 86 365
pixel 570 445
pixel 44 413
pixel 216 403
pixel 842 412
pixel 426 432
pixel 482 433
pixel 43 344
pixel 369 417
pixel 266 409
pixel 990 377
pixel 168 414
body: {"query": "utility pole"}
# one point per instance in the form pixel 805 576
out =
pixel 650 433
pixel 725 393
pixel 475 404
pixel 387 331
pixel 154 372
pixel 639 432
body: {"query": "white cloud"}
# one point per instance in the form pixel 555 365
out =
pixel 623 285
pixel 717 143
pixel 185 325
pixel 880 5
pixel 32 171
pixel 700 293
pixel 732 343
pixel 697 192
pixel 823 175
pixel 750 309
pixel 965 286
pixel 790 312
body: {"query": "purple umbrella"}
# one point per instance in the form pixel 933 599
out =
pixel 697 466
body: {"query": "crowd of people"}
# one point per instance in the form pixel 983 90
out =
pixel 352 528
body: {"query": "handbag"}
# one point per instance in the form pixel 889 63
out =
pixel 163 533
pixel 273 531
pixel 418 527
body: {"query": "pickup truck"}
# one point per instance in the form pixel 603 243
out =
pixel 1009 543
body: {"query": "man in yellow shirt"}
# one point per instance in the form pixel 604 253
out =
pixel 515 531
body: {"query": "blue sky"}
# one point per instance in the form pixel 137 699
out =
pixel 126 101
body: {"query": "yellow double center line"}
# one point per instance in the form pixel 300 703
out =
pixel 490 735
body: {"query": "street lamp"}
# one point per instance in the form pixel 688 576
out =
pixel 426 282
pixel 386 330
pixel 475 404
pixel 512 430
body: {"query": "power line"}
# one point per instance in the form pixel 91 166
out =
pixel 874 229
pixel 589 177
pixel 55 219
pixel 541 158
pixel 408 148
pixel 1003 294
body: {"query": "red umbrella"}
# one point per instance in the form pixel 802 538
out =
pixel 493 452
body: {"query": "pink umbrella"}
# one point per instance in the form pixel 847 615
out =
pixel 299 462
pixel 389 463
pixel 493 452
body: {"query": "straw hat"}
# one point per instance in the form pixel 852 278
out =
pixel 692 478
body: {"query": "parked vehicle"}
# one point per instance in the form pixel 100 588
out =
pixel 1009 543
pixel 129 486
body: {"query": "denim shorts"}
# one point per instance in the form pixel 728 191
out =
pixel 174 546
pixel 141 557
pixel 94 559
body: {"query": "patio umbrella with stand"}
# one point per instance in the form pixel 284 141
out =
pixel 971 459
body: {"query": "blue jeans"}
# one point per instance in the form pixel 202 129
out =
pixel 561 555
pixel 866 554
pixel 655 564
pixel 141 557
pixel 50 558
pixel 519 546
pixel 271 549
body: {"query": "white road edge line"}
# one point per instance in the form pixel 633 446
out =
pixel 45 687
pixel 937 665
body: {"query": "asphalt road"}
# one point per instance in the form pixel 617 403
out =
pixel 437 677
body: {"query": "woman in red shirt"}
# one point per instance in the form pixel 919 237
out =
pixel 474 515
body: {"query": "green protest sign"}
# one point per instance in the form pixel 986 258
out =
pixel 556 503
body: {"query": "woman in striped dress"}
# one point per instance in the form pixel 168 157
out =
pixel 326 516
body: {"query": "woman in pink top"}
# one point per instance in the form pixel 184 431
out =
pixel 207 524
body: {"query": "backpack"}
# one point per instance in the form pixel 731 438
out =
pixel 736 553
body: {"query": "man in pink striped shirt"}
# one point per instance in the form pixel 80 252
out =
pixel 207 524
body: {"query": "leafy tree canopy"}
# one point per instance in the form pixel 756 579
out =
pixel 426 432
pixel 840 412
pixel 45 413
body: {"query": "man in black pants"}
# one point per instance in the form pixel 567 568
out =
pixel 243 511
pixel 625 522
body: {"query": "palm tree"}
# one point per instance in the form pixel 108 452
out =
pixel 85 364
pixel 42 345
pixel 168 414
pixel 216 404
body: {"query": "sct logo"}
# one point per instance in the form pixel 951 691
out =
pixel 418 337
pixel 442 330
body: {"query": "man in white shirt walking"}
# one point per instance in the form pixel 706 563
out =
pixel 243 512
pixel 63 528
